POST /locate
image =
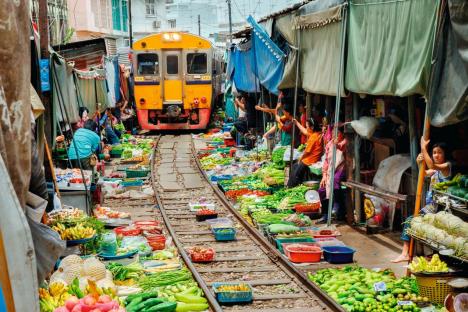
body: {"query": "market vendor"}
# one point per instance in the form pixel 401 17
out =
pixel 83 146
pixel 83 117
pixel 246 120
pixel 312 153
pixel 285 124
pixel 440 170
pixel 108 121
pixel 340 171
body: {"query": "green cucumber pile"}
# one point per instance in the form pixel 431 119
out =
pixel 354 288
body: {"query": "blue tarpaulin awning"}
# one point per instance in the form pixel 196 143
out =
pixel 240 70
pixel 268 59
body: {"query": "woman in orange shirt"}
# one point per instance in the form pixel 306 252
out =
pixel 312 153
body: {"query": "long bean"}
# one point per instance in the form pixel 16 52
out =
pixel 164 278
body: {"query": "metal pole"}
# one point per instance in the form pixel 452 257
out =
pixel 413 142
pixel 337 116
pixel 357 162
pixel 230 20
pixel 298 56
pixel 199 25
pixel 130 28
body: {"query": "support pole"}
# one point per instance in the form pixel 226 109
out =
pixel 230 20
pixel 199 25
pixel 293 134
pixel 413 142
pixel 44 47
pixel 357 162
pixel 130 25
pixel 337 115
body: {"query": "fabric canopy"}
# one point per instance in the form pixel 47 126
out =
pixel 240 70
pixel 390 46
pixel 320 25
pixel 267 57
pixel 448 98
pixel 91 89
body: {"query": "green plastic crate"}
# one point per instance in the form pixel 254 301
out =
pixel 280 241
pixel 137 173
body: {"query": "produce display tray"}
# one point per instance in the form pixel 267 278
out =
pixel 232 297
pixel 338 254
pixel 435 246
pixel 79 241
pixel 118 257
pixel 221 236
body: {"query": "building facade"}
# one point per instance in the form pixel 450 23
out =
pixel 148 16
pixel 99 18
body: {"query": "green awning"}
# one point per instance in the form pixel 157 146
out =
pixel 390 46
pixel 320 24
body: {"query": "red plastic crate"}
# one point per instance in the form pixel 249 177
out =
pixel 230 142
pixel 127 231
pixel 302 256
pixel 199 257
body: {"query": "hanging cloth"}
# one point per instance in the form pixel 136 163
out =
pixel 240 68
pixel 448 97
pixel 268 59
pixel 390 46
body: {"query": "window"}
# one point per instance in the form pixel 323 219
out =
pixel 148 64
pixel 156 24
pixel 150 7
pixel 172 66
pixel 196 63
pixel 172 23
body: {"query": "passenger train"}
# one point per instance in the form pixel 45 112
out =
pixel 177 79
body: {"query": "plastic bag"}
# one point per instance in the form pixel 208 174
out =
pixel 365 126
pixel 109 244
pixel 48 247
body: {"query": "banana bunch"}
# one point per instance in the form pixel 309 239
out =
pixel 433 266
pixel 72 233
pixel 52 298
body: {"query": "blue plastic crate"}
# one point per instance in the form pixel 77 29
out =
pixel 233 296
pixel 222 177
pixel 131 183
pixel 220 235
pixel 338 254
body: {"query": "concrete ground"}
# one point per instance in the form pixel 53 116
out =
pixel 374 251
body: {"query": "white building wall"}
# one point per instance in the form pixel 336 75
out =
pixel 145 24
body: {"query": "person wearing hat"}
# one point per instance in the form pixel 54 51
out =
pixel 312 153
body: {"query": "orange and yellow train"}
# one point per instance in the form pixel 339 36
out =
pixel 175 81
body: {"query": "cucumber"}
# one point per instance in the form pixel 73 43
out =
pixel 163 307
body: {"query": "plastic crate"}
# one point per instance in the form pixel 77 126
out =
pixel 222 177
pixel 230 142
pixel 198 257
pixel 131 183
pixel 139 173
pixel 338 254
pixel 204 217
pixel 224 234
pixel 194 207
pixel 233 296
pixel 329 241
pixel 435 287
pixel 302 256
pixel 280 241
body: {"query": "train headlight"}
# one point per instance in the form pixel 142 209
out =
pixel 203 100
pixel 142 101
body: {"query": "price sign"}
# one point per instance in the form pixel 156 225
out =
pixel 403 303
pixel 380 286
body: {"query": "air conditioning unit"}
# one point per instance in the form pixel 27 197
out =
pixel 156 24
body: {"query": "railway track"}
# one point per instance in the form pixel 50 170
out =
pixel 278 286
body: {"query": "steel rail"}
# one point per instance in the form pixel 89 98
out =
pixel 207 291
pixel 272 253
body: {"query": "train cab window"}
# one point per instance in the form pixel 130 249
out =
pixel 197 63
pixel 148 64
pixel 172 67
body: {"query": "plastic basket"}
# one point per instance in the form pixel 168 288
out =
pixel 199 257
pixel 224 234
pixel 309 207
pixel 220 223
pixel 280 241
pixel 230 142
pixel 139 173
pixel 127 231
pixel 222 177
pixel 194 207
pixel 204 217
pixel 338 254
pixel 116 153
pixel 434 287
pixel 302 256
pixel 131 183
pixel 232 296
pixel 156 241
